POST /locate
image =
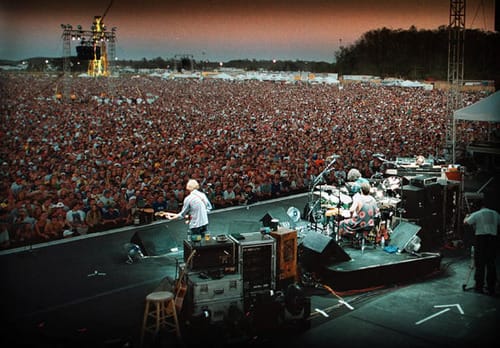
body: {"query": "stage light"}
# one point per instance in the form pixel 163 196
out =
pixel 294 214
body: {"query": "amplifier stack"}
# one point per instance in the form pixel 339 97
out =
pixel 241 273
pixel 256 261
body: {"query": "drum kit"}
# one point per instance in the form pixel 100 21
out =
pixel 334 202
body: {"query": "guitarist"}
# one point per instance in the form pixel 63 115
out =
pixel 197 205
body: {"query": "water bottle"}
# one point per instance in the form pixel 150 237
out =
pixel 382 242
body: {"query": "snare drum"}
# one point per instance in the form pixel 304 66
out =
pixel 335 212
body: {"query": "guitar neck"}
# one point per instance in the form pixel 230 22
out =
pixel 165 214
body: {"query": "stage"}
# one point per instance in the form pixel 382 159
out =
pixel 85 292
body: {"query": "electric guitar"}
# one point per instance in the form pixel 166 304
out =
pixel 165 214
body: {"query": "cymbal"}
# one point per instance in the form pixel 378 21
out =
pixel 322 194
pixel 326 187
pixel 346 199
pixel 390 201
pixel 391 183
pixel 334 199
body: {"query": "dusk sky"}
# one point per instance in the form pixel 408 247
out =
pixel 221 30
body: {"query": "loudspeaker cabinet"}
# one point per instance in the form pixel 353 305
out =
pixel 286 253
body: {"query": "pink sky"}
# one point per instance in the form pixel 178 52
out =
pixel 222 30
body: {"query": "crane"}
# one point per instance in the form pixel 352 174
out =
pixel 98 66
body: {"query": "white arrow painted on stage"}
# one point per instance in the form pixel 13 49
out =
pixel 451 305
pixel 446 309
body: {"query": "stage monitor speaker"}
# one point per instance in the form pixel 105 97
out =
pixel 154 241
pixel 276 213
pixel 403 233
pixel 324 247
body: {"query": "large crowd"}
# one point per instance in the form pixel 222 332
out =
pixel 123 148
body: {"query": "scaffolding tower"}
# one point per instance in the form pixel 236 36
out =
pixel 102 44
pixel 456 44
pixel 97 45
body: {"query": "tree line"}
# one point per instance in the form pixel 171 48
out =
pixel 410 54
pixel 419 54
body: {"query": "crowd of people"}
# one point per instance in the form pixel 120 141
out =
pixel 124 147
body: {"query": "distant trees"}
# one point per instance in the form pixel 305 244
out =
pixel 419 54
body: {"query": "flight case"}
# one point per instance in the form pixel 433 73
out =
pixel 256 261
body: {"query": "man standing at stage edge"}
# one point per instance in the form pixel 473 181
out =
pixel 485 222
pixel 197 205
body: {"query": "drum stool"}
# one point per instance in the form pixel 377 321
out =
pixel 361 236
pixel 160 313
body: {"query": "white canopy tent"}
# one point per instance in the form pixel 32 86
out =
pixel 485 110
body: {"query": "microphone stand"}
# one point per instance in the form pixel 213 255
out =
pixel 316 181
pixel 339 214
pixel 400 210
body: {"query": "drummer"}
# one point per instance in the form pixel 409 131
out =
pixel 354 181
pixel 363 212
